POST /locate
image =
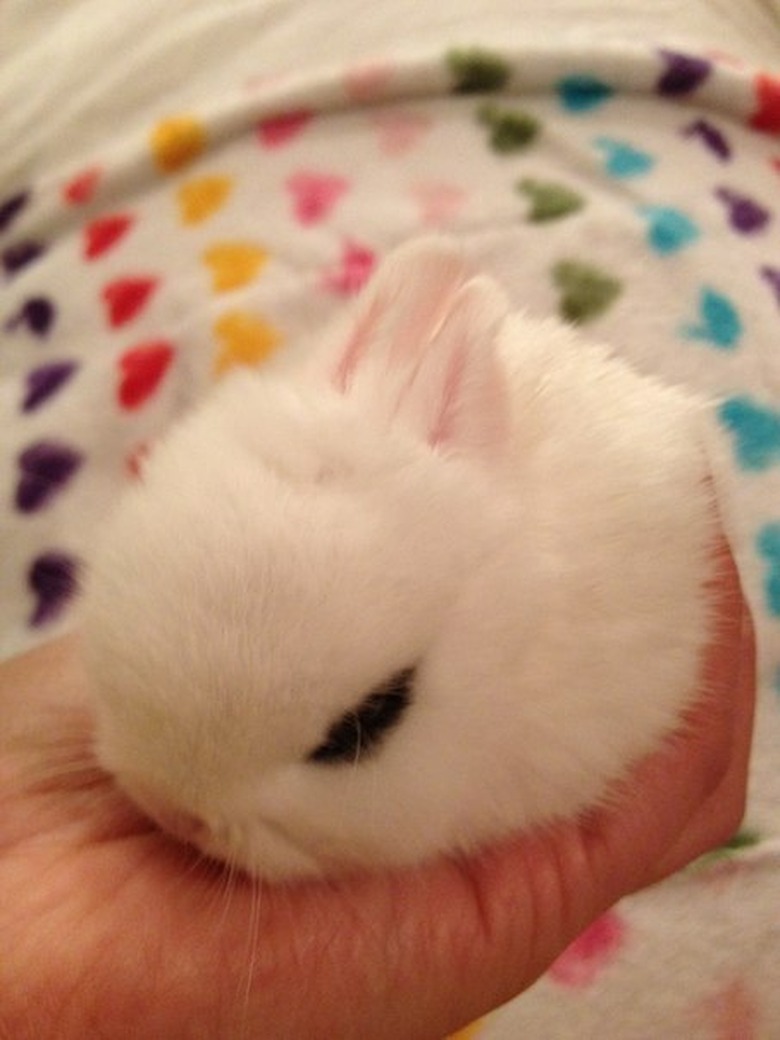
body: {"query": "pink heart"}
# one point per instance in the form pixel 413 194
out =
pixel 368 80
pixel 439 202
pixel 280 130
pixel 315 194
pixel 583 960
pixel 399 131
pixel 732 1012
pixel 353 271
pixel 80 189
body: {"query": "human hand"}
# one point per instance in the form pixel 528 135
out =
pixel 111 930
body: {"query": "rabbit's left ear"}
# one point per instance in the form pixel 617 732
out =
pixel 421 349
pixel 458 396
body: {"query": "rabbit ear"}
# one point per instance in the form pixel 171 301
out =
pixel 458 397
pixel 401 309
pixel 422 349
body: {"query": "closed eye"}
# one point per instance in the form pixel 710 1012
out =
pixel 360 731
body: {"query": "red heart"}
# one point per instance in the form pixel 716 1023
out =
pixel 82 187
pixel 102 234
pixel 768 93
pixel 126 297
pixel 142 368
pixel 278 130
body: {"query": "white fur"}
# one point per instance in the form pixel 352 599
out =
pixel 512 511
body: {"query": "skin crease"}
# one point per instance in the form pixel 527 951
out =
pixel 110 930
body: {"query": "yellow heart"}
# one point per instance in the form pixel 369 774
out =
pixel 469 1033
pixel 245 339
pixel 233 264
pixel 176 141
pixel 200 199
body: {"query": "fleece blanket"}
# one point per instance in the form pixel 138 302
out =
pixel 630 190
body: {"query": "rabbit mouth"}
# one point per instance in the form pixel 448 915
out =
pixel 270 851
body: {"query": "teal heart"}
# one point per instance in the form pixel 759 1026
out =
pixel 719 323
pixel 668 230
pixel 622 160
pixel 756 432
pixel 582 93
pixel 768 545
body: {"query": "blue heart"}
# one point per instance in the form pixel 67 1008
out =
pixel 720 324
pixel 756 432
pixel 668 229
pixel 768 544
pixel 622 159
pixel 583 93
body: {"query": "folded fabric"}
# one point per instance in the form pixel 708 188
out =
pixel 629 190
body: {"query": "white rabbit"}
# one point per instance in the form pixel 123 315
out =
pixel 443 581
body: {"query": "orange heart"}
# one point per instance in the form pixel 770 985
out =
pixel 245 339
pixel 234 264
pixel 202 198
pixel 175 142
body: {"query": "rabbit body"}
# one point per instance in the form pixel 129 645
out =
pixel 472 531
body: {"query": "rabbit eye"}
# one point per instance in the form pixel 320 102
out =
pixel 360 731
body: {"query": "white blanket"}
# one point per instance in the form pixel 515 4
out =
pixel 190 185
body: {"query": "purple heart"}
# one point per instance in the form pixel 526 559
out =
pixel 44 381
pixel 37 314
pixel 10 208
pixel 46 467
pixel 745 214
pixel 20 254
pixel 771 276
pixel 711 137
pixel 684 73
pixel 52 578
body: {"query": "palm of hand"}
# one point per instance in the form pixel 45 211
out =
pixel 111 930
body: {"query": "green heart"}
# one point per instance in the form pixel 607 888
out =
pixel 510 129
pixel 549 201
pixel 477 71
pixel 586 291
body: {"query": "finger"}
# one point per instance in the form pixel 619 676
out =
pixel 721 813
pixel 653 831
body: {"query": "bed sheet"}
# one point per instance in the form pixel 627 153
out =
pixel 642 170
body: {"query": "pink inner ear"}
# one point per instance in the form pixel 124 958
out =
pixel 355 349
pixel 399 310
pixel 443 429
pixel 459 396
